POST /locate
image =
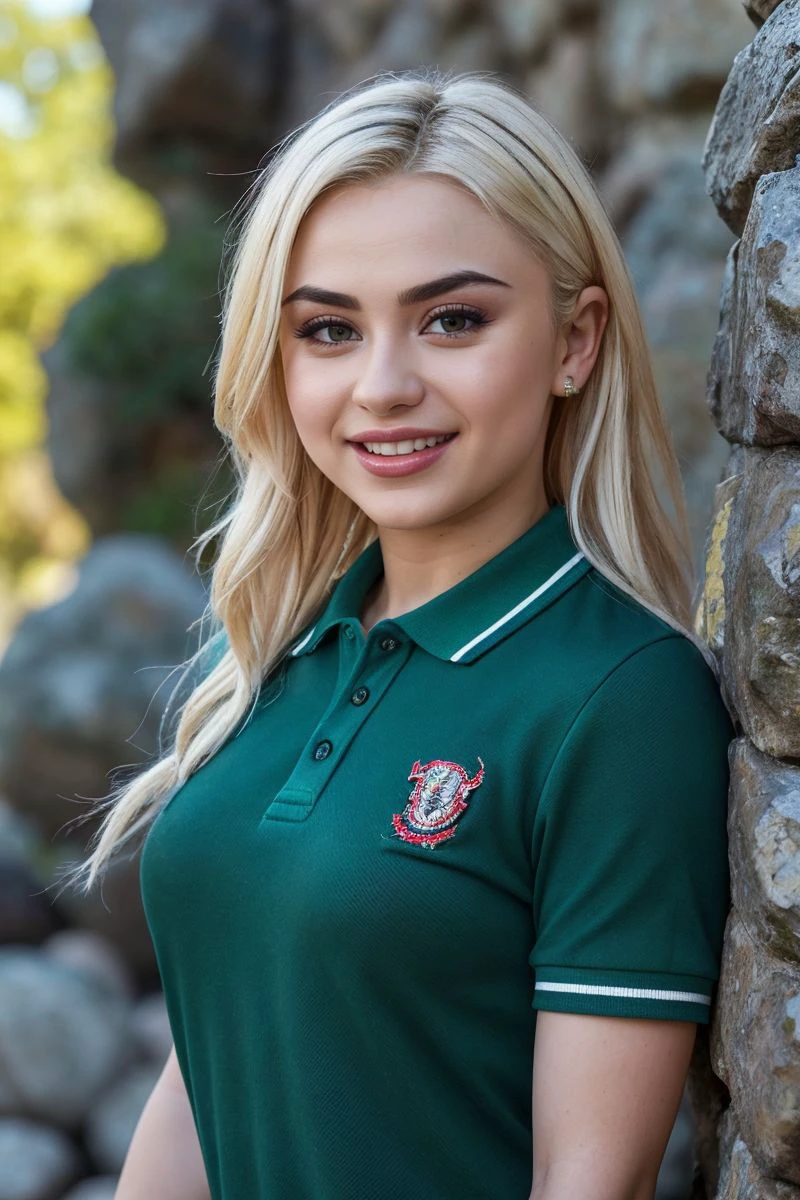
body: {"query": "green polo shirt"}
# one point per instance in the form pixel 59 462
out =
pixel 511 798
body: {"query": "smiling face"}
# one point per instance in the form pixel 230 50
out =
pixel 472 357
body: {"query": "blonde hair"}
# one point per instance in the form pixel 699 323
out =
pixel 289 533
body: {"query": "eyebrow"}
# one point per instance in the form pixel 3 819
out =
pixel 414 295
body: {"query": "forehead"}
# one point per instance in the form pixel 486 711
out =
pixel 404 222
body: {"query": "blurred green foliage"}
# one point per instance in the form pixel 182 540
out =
pixel 146 334
pixel 66 219
pixel 149 328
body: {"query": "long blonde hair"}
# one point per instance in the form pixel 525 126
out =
pixel 289 533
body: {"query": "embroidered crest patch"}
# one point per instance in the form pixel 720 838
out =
pixel 437 801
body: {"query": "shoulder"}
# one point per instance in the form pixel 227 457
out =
pixel 597 641
pixel 643 648
pixel 623 619
pixel 655 725
pixel 641 690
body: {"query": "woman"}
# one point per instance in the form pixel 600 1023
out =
pixel 438 880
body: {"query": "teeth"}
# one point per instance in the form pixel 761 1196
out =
pixel 390 448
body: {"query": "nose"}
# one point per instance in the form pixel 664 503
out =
pixel 387 379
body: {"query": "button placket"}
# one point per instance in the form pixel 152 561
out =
pixel 340 723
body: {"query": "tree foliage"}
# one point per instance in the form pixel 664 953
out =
pixel 66 218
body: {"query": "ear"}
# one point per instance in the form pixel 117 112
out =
pixel 579 339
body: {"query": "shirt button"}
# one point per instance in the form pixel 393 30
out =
pixel 322 750
pixel 360 695
pixel 388 643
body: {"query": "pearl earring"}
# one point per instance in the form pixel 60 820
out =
pixel 569 387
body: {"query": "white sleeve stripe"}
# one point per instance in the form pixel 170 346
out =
pixel 576 558
pixel 632 993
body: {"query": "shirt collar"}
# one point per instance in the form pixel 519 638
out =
pixel 472 616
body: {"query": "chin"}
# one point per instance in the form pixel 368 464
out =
pixel 400 518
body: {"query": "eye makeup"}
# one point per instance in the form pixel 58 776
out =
pixel 476 316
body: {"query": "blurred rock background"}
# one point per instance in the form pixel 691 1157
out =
pixel 128 133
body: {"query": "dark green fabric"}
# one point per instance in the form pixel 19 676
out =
pixel 353 991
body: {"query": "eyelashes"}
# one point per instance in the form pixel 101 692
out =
pixel 476 316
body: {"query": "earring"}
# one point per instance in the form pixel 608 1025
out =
pixel 569 387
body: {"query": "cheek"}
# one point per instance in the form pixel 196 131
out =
pixel 311 424
pixel 309 401
pixel 518 362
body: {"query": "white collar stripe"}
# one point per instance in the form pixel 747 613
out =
pixel 518 607
pixel 305 641
pixel 594 989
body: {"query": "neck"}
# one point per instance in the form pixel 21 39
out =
pixel 419 564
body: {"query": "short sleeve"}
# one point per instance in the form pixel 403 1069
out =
pixel 630 855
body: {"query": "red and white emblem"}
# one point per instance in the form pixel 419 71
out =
pixel 437 801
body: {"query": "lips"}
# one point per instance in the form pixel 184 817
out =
pixel 394 465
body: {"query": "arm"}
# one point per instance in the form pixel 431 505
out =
pixel 164 1156
pixel 606 1092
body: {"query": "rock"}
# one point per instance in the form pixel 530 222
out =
pixel 757 1046
pixel 709 619
pixel 740 1178
pixel 754 383
pixel 759 10
pixel 412 34
pixel 579 11
pixel 709 1100
pixel 762 589
pixel 36 1161
pixel 567 89
pixel 756 126
pixel 675 220
pixel 675 1173
pixel 19 837
pixel 349 27
pixel 61 1039
pixel 676 247
pixel 527 26
pixel 26 912
pixel 719 382
pixel 92 956
pixel 765 848
pixel 114 1115
pixel 654 148
pixel 78 679
pixel 670 55
pixel 151 1029
pixel 99 1187
pixel 472 49
pixel 114 910
pixel 206 75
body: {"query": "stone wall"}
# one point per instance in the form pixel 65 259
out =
pixel 750 614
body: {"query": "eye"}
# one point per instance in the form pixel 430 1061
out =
pixel 460 313
pixel 312 327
